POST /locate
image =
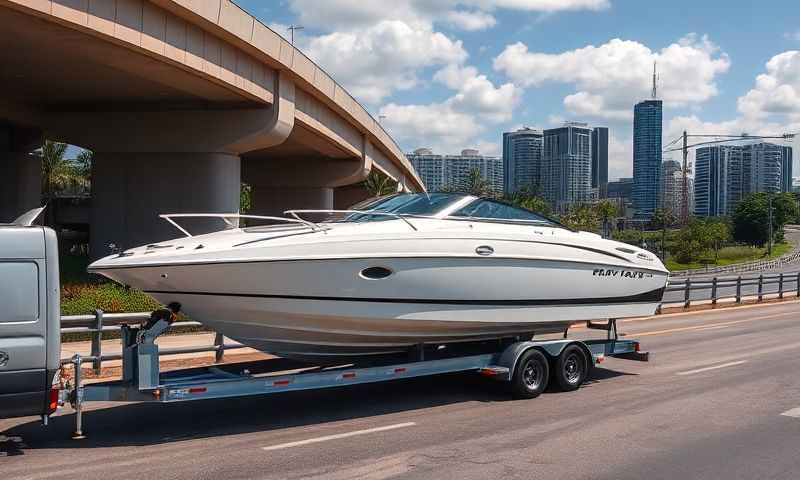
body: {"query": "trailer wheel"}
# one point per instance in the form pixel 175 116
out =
pixel 571 368
pixel 530 375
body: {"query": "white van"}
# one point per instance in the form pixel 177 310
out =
pixel 30 340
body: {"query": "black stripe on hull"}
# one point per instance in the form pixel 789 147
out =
pixel 646 297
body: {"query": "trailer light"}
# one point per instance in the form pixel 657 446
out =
pixel 400 370
pixel 601 358
pixel 198 390
pixel 349 375
pixel 281 382
pixel 52 403
pixel 157 393
pixel 636 347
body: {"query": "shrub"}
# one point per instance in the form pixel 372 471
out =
pixel 81 299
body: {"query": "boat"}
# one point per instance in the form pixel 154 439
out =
pixel 389 274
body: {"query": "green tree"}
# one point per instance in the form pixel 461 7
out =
pixel 528 200
pixel 751 217
pixel 476 185
pixel 663 218
pixel 606 211
pixel 580 217
pixel 59 174
pixel 717 234
pixel 379 184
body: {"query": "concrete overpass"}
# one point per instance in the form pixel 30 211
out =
pixel 180 100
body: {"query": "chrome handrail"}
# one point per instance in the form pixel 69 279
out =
pixel 294 213
pixel 227 216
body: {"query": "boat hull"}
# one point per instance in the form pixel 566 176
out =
pixel 326 308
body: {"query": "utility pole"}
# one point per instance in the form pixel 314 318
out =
pixel 685 189
pixel 291 29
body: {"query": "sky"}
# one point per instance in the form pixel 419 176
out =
pixel 455 74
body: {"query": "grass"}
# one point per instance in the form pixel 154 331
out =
pixel 731 255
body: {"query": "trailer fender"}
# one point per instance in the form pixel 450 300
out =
pixel 551 348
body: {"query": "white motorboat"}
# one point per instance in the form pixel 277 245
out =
pixel 392 273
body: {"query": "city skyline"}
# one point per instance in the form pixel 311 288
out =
pixel 455 74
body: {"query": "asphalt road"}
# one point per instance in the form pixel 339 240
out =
pixel 720 399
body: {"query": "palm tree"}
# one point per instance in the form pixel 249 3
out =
pixel 379 184
pixel 606 210
pixel 60 174
pixel 476 185
pixel 663 218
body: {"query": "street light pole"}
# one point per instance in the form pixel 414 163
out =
pixel 685 189
pixel 291 29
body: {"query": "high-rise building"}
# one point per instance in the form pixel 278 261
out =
pixel 725 174
pixel 647 119
pixel 600 160
pixel 522 156
pixel 566 165
pixel 786 170
pixel 670 194
pixel 429 167
pixel 445 172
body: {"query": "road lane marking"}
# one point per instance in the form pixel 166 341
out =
pixel 795 412
pixel 714 367
pixel 708 326
pixel 338 436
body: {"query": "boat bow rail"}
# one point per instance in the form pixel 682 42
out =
pixel 227 217
pixel 295 214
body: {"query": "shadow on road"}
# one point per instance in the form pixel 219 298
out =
pixel 152 424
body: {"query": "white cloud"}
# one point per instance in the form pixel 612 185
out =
pixel 471 20
pixel 457 122
pixel 383 58
pixel 464 14
pixel 777 91
pixel 612 77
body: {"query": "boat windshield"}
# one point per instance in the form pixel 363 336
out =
pixel 420 204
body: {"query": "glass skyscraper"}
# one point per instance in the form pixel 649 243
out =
pixel 647 120
pixel 600 160
pixel 566 165
pixel 522 157
pixel 443 172
pixel 726 174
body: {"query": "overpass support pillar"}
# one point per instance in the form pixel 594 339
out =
pixel 20 172
pixel 274 200
pixel 129 190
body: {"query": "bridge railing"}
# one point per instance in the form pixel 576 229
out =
pixel 773 285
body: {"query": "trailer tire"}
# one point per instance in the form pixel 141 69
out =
pixel 531 375
pixel 571 368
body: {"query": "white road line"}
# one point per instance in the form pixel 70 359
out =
pixel 338 436
pixel 795 412
pixel 714 367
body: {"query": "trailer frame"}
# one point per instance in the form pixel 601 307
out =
pixel 143 381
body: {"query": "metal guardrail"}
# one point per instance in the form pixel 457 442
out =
pixel 779 283
pixel 100 321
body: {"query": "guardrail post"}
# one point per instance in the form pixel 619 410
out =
pixel 219 342
pixel 739 289
pixel 687 293
pixel 780 286
pixel 760 287
pixel 797 285
pixel 97 341
pixel 714 291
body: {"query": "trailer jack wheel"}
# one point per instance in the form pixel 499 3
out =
pixel 530 375
pixel 571 368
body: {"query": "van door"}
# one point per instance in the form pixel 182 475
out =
pixel 23 322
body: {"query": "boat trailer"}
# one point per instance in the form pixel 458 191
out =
pixel 527 366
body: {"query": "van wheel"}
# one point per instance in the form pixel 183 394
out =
pixel 571 368
pixel 530 375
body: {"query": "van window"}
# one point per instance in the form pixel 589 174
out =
pixel 19 292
